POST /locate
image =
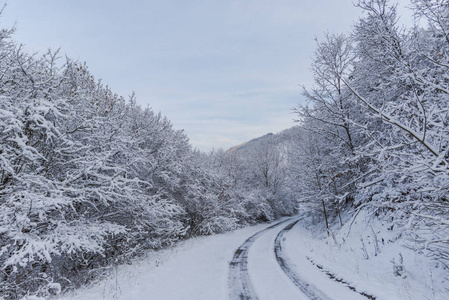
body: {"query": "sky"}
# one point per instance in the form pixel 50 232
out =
pixel 224 71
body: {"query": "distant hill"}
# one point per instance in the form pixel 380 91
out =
pixel 249 143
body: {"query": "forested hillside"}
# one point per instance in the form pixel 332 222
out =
pixel 90 179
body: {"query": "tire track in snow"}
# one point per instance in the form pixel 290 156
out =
pixel 300 283
pixel 239 283
pixel 308 289
pixel 340 280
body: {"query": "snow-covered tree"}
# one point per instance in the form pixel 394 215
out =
pixel 396 86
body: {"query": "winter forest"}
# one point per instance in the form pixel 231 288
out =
pixel 90 180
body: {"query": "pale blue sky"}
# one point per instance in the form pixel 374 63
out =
pixel 224 71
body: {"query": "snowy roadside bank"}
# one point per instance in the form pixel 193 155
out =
pixel 370 258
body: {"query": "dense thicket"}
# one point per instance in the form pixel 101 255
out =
pixel 89 179
pixel 376 131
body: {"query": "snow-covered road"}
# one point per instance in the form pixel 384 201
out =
pixel 239 283
pixel 301 283
pixel 244 264
pixel 279 270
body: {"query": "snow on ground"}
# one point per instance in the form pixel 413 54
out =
pixel 297 253
pixel 385 275
pixel 195 269
pixel 198 268
pixel 268 279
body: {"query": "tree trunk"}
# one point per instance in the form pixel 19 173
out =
pixel 325 216
pixel 339 216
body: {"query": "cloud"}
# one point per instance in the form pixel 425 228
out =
pixel 225 71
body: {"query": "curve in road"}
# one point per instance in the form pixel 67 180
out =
pixel 239 283
pixel 308 289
